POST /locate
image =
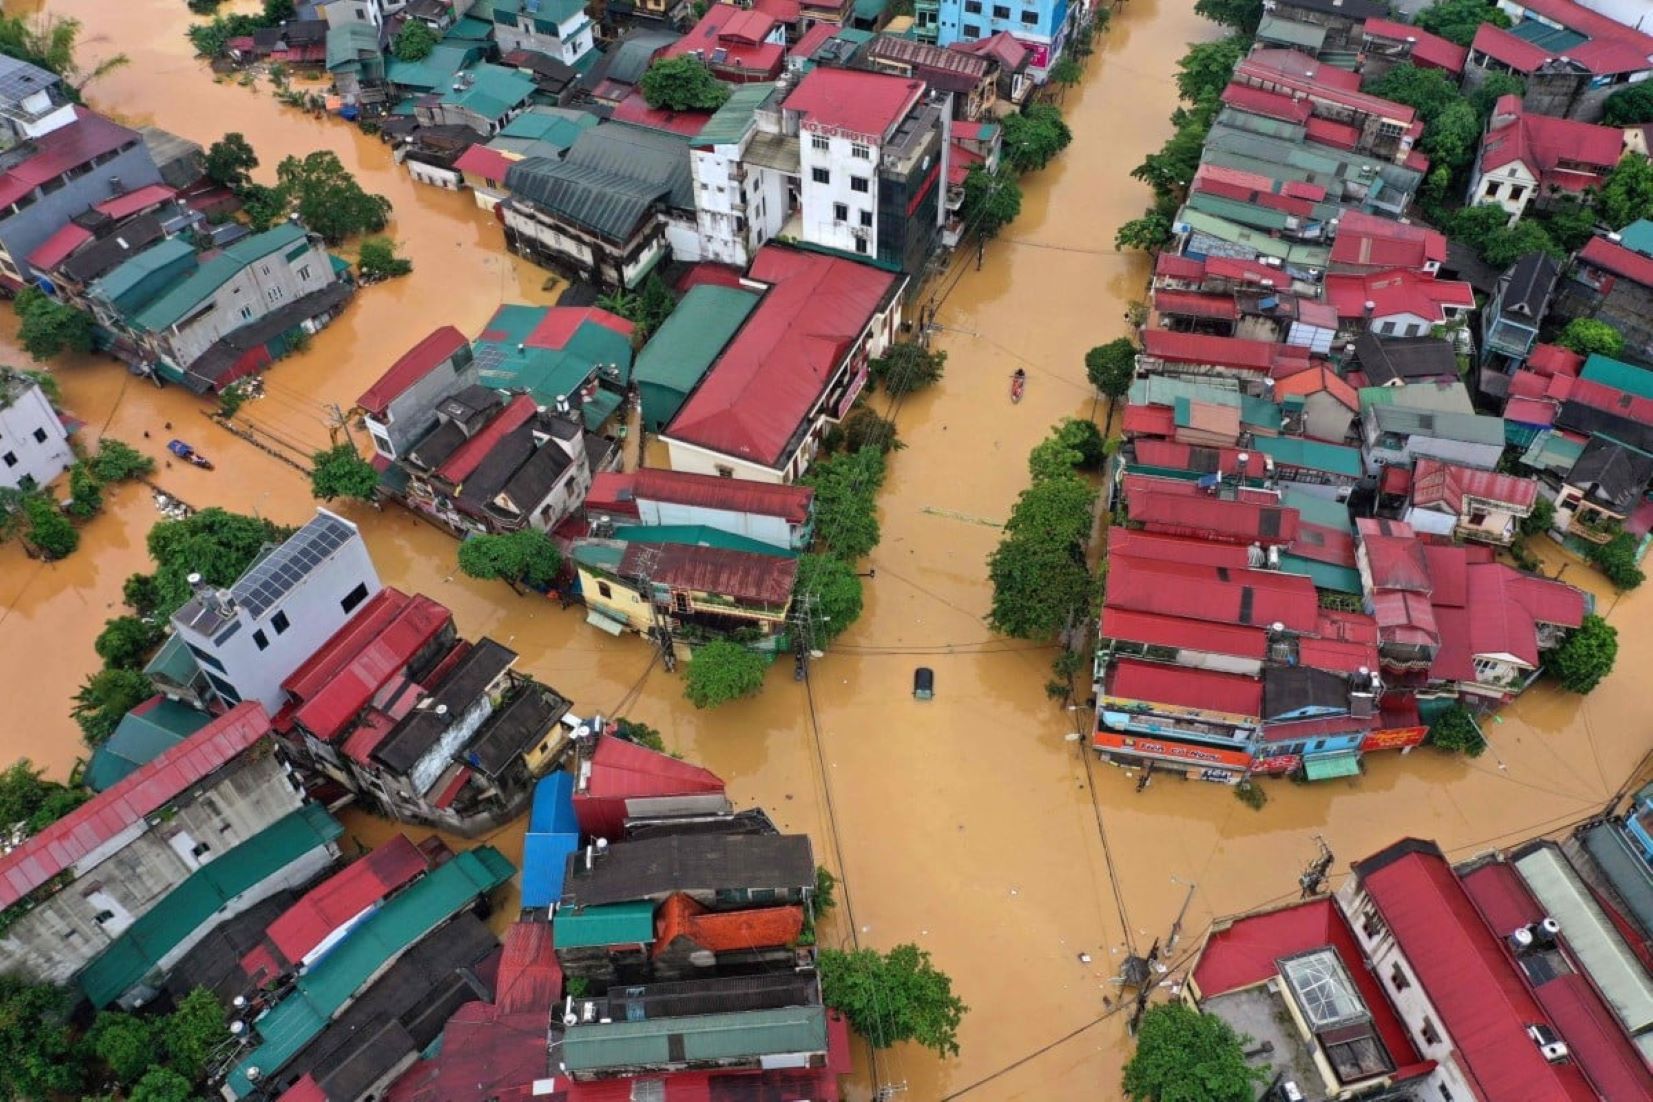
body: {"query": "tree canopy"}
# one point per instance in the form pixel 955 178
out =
pixel 1205 70
pixel 1183 1055
pixel 1072 445
pixel 1242 15
pixel 683 83
pixel 231 160
pixel 1034 136
pixel 340 471
pixel 1631 105
pixel 53 43
pixel 126 641
pixel 1040 580
pixel 37 1049
pixel 416 41
pixel 1455 730
pixel 525 557
pixel 47 529
pixel 720 672
pixel 1627 192
pixel 846 511
pixel 992 200
pixel 1617 560
pixel 217 544
pixel 195 1028
pixel 1151 231
pixel 1111 367
pixel 328 199
pixel 894 997
pixel 49 327
pixel 117 461
pixel 833 589
pixel 647 308
pixel 1458 20
pixel 27 797
pixel 85 492
pixel 1588 655
pixel 377 259
pixel 905 367
pixel 103 700
pixel 124 1043
pixel 1589 337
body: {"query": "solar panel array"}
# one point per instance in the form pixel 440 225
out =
pixel 19 79
pixel 272 579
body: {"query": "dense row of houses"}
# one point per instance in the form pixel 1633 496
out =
pixel 1331 441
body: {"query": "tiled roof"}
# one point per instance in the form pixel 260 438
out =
pixel 414 364
pixel 855 101
pixel 724 931
pixel 101 819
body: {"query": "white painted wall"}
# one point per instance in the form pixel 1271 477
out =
pixel 823 202
pixel 33 442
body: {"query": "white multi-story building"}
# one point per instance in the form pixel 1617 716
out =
pixel 740 202
pixel 557 28
pixel 34 445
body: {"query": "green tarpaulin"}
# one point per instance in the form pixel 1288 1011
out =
pixel 1326 766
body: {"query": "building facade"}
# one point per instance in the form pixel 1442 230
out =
pixel 1042 26
pixel 34 445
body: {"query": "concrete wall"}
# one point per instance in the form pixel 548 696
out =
pixel 413 412
pixel 771 530
pixel 33 442
pixel 60 936
pixel 262 287
pixel 721 201
pixel 571 41
pixel 1325 418
pixel 856 232
pixel 24 232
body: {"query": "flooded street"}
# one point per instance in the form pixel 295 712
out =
pixel 967 824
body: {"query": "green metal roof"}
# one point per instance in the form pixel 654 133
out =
pixel 870 9
pixel 609 179
pixel 493 91
pixel 1638 235
pixel 173 662
pixel 1316 509
pixel 385 935
pixel 1468 428
pixel 1428 397
pixel 347 41
pixel 184 296
pixel 548 373
pixel 609 924
pixel 1240 212
pixel 1259 411
pixel 1552 451
pixel 698 535
pixel 1297 451
pixel 1164 390
pixel 730 122
pixel 684 348
pixel 695 1038
pixel 558 127
pixel 599 408
pixel 140 739
pixel 1324 575
pixel 1618 375
pixel 123 286
pixel 470 29
pixel 190 906
pixel 1290 32
pixel 1313 256
pixel 436 69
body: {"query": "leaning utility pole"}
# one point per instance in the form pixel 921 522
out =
pixel 660 619
pixel 1313 880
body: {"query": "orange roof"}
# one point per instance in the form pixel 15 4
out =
pixel 728 931
pixel 1314 381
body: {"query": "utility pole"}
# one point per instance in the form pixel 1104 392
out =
pixel 660 619
pixel 1176 927
pixel 337 422
pixel 1313 879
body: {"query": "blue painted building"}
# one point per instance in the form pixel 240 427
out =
pixel 1041 25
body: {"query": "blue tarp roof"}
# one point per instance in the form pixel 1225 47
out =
pixel 553 833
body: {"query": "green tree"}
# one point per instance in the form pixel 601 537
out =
pixel 215 543
pixel 141 593
pixel 1040 581
pixel 27 797
pixel 1455 730
pixel 49 327
pixel 720 672
pixel 1458 20
pixel 683 83
pixel 162 1084
pixel 832 589
pixel 116 461
pixel 194 1029
pixel 1151 231
pixel 1111 367
pixel 992 200
pixel 846 512
pixel 1207 67
pixel 85 492
pixel 328 199
pixel 48 530
pixel 1589 337
pixel 1183 1055
pixel 263 206
pixel 640 733
pixel 52 42
pixel 1508 244
pixel 230 161
pixel 524 557
pixel 1631 105
pixel 126 641
pixel 377 259
pixel 864 428
pixel 103 700
pixel 1171 169
pixel 1066 72
pixel 1627 193
pixel 124 1043
pixel 1585 657
pixel 826 891
pixel 1242 15
pixel 47 382
pixel 416 41
pixel 1476 225
pixel 37 1050
pixel 1071 445
pixel 655 303
pixel 1616 559
pixel 894 997
pixel 905 367
pixel 1570 222
pixel 340 471
pixel 1541 519
pixel 1494 87
pixel 1034 136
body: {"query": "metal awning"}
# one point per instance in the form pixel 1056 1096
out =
pixel 1321 767
pixel 598 619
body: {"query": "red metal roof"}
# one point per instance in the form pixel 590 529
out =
pixel 781 11
pixel 1185 687
pixel 305 1090
pixel 1610 256
pixel 1324 544
pixel 1212 594
pixel 479 160
pixel 612 492
pixel 132 202
pixel 119 808
pixel 1338 135
pixel 1367 241
pixel 57 248
pixel 529 976
pixel 1460 963
pixel 618 771
pixel 746 577
pixel 1172 266
pixel 1141 544
pixel 1273 105
pixel 853 100
pixel 1174 631
pixel 1429 51
pixel 1551 148
pixel 69 146
pixel 814 38
pixel 1500 45
pixel 1603 397
pixel 1147 421
pixel 1174 455
pixel 725 931
pixel 1193 304
pixel 1211 517
pixel 736 495
pixel 1247 952
pixel 360 658
pixel 1003 47
pixel 415 364
pixel 738 34
pixel 1438 483
pixel 1199 348
pixel 1298 74
pixel 1576 17
pixel 1265 196
pixel 1336 655
pixel 1397 291
pixel 558 325
pixel 332 903
pixel 771 375
pixel 471 453
pixel 708 272
pixel 1530 411
pixel 634 109
pixel 1395 555
pixel 1553 359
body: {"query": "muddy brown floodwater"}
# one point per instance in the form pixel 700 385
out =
pixel 967 824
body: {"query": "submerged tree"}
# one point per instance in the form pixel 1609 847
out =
pixel 720 672
pixel 525 557
pixel 340 471
pixel 328 199
pixel 1588 655
pixel 1183 1055
pixel 49 327
pixel 1455 730
pixel 831 590
pixel 894 997
pixel 53 43
pixel 905 367
pixel 992 200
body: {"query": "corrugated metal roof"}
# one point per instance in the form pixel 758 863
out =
pixel 740 576
pixel 320 993
pixel 699 535
pixel 853 100
pixel 680 353
pixel 192 905
pixel 213 273
pixel 700 1038
pixel 791 503
pixel 131 800
pixel 608 204
pixel 725 931
pixel 115 285
pixel 491 91
pixel 1214 594
pixel 414 364
pixel 1185 687
pixel 608 924
pixel 145 733
pixel 1215 518
pixel 1311 455
pixel 1173 631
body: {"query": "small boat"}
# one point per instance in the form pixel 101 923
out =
pixel 1018 383
pixel 185 452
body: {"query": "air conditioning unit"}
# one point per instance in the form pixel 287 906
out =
pixel 1555 1053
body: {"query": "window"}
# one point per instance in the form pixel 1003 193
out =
pixel 972 7
pixel 1493 189
pixel 725 472
pixel 820 175
pixel 866 218
pixel 103 916
pixel 304 271
pixel 840 212
pixel 972 31
pixel 279 622
pixel 604 590
pixel 1370 923
pixel 1387 328
pixel 39 436
pixel 1446 1093
pixel 1428 1033
pixel 1030 19
pixel 274 294
pixel 246 313
pixel 206 659
pixel 861 245
pixel 860 183
pixel 200 849
pixel 1516 192
pixel 354 597
pixel 226 692
pixel 70 935
pixel 1000 12
pixel 1414 329
pixel 818 142
pixel 10 458
pixel 1397 978
pixel 863 152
